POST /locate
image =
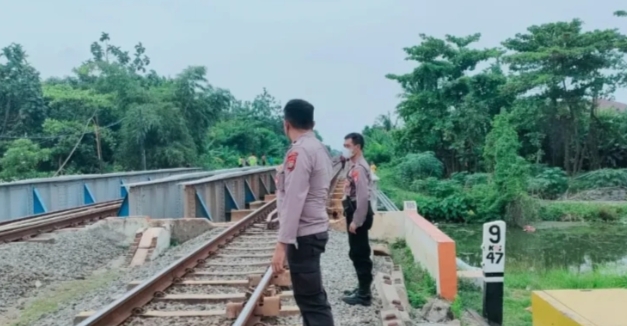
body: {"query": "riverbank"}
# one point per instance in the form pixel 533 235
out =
pixel 520 281
pixel 573 244
pixel 452 200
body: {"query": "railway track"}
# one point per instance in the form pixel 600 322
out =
pixel 225 281
pixel 30 226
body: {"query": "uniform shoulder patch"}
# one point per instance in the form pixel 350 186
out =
pixel 355 175
pixel 290 162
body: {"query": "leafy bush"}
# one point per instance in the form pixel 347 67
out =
pixel 549 183
pixel 460 177
pixel 420 166
pixel 436 188
pixel 477 179
pixel 599 179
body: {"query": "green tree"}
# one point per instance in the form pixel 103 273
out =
pixel 445 110
pixel 21 160
pixel 113 112
pixel 567 71
pixel 21 101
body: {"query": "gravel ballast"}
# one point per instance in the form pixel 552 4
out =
pixel 28 266
pixel 117 284
pixel 338 275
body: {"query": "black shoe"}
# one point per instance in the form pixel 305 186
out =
pixel 351 292
pixel 359 298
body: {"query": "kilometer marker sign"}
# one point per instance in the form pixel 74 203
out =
pixel 493 265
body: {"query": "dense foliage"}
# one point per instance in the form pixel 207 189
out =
pixel 113 113
pixel 508 127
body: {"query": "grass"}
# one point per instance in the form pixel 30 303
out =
pixel 53 299
pixel 582 210
pixel 519 283
pixel 420 285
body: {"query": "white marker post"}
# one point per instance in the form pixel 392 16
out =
pixel 409 205
pixel 493 248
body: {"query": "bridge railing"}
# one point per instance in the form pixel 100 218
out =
pixel 385 201
pixel 37 196
pixel 162 198
pixel 215 197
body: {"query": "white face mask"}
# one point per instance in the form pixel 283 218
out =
pixel 347 152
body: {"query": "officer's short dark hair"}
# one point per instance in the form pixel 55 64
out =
pixel 357 139
pixel 300 114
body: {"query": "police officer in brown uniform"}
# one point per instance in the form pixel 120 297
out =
pixel 302 191
pixel 359 216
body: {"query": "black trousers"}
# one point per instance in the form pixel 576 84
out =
pixel 309 293
pixel 359 248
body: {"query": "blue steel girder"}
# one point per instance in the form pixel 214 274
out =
pixel 229 203
pixel 39 206
pixel 229 199
pixel 125 209
pixel 88 196
pixel 272 182
pixel 263 189
pixel 239 192
pixel 123 190
pixel 249 193
pixel 201 207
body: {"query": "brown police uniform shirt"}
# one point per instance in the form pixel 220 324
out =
pixel 303 189
pixel 358 188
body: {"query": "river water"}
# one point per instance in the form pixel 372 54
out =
pixel 578 247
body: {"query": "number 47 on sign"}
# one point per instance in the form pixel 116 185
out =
pixel 493 247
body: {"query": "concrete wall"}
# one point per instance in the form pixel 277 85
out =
pixel 434 250
pixel 388 226
pixel 181 229
pixel 431 248
pixel 36 196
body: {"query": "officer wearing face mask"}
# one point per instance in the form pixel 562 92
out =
pixel 359 216
pixel 302 191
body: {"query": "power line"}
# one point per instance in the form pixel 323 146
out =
pixel 67 159
pixel 61 136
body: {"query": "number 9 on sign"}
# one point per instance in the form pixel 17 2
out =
pixel 493 248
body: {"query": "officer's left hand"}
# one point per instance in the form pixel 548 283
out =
pixel 352 228
pixel 278 259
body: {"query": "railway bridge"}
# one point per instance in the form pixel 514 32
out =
pixel 198 247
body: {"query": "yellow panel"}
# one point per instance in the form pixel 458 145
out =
pixel 579 307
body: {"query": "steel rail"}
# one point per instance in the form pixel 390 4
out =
pixel 78 217
pixel 334 181
pixel 65 211
pixel 249 307
pixel 121 309
pixel 59 217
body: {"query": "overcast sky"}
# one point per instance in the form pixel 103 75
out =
pixel 332 53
